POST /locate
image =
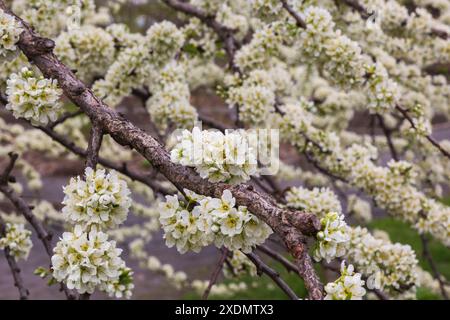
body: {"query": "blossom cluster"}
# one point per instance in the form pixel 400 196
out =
pixel 87 260
pixel 169 103
pixel 137 64
pixel 32 97
pixel 255 97
pixel 348 286
pixel 229 157
pixel 10 31
pixel 391 267
pixel 333 238
pixel 100 199
pixel 205 220
pixel 17 239
pixel 84 258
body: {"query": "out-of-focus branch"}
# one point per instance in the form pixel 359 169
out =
pixel 64 117
pixel 15 270
pixel 272 274
pixel 436 274
pixel 435 143
pixel 216 272
pixel 225 34
pixel 388 135
pixel 366 15
pixel 122 168
pixel 23 208
pixel 294 14
pixel 278 257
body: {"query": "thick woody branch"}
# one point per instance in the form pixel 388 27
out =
pixel 125 133
pixel 272 274
pixel 15 270
pixel 298 248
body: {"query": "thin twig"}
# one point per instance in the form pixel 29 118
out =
pixel 215 273
pixel 15 270
pixel 275 276
pixel 388 135
pixel 404 112
pixel 278 257
pixel 63 118
pixel 436 274
pixel 23 208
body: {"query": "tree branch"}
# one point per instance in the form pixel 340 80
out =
pixel 23 208
pixel 15 270
pixel 405 114
pixel 275 276
pixel 436 274
pixel 94 144
pixel 216 272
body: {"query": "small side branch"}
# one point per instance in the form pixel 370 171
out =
pixel 272 274
pixel 216 273
pixel 435 143
pixel 278 257
pixel 436 274
pixel 15 270
pixel 24 209
pixel 388 134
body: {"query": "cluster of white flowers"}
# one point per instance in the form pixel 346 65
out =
pixel 333 239
pixel 359 209
pixel 17 239
pixel 229 157
pixel 210 220
pixel 84 258
pixel 87 260
pixel 265 43
pixel 348 286
pixel 88 50
pixel 100 199
pixel 254 97
pixel 319 201
pixel 10 31
pixel 169 103
pixel 387 266
pixel 33 98
pixel 136 65
pixel 383 93
pixel 392 187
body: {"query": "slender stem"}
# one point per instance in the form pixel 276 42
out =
pixel 272 274
pixel 436 274
pixel 15 270
pixel 215 273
